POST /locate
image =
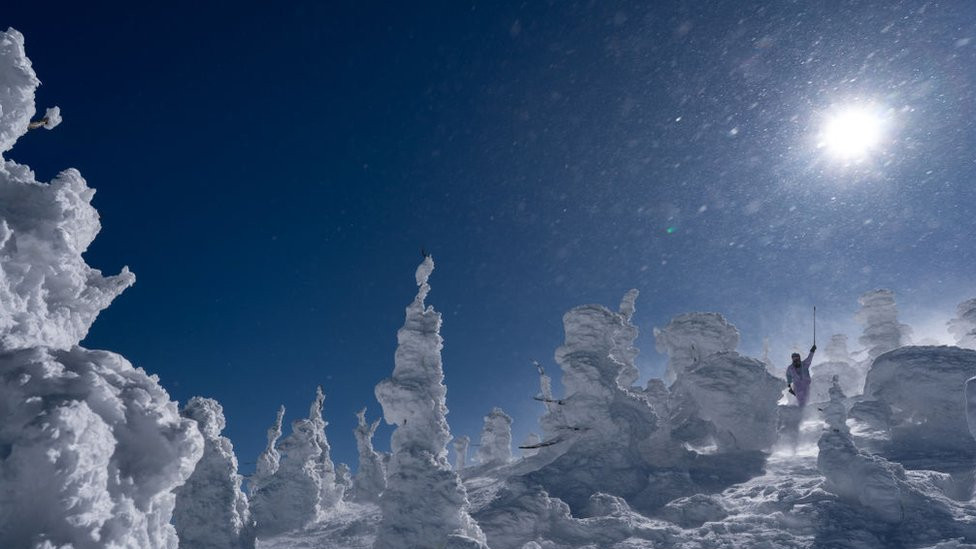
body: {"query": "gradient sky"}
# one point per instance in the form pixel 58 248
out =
pixel 270 172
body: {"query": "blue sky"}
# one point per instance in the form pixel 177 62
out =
pixel 271 174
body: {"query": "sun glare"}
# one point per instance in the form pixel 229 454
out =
pixel 851 133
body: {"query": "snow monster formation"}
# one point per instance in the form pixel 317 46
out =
pixel 496 438
pixel 303 484
pixel 91 448
pixel 921 392
pixel 425 504
pixel 370 480
pixel 690 337
pixel 211 511
pixel 882 331
pixel 963 326
pixel 839 364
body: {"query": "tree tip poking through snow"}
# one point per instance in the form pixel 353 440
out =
pixel 91 449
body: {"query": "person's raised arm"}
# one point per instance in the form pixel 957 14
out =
pixel 809 358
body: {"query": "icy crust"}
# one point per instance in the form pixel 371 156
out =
pixel 91 450
pixel 919 394
pixel 211 511
pixel 496 438
pixel 691 337
pixel 425 503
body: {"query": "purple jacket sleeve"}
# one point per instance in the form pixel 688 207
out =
pixel 808 360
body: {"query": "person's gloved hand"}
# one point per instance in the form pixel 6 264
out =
pixel 813 349
pixel 790 389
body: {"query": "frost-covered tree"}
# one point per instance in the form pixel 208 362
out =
pixel 270 459
pixel 304 483
pixel 461 444
pixel 963 326
pixel 370 478
pixel 496 438
pixel 424 504
pixel 691 337
pixel 882 331
pixel 91 448
pixel 211 511
pixel 601 414
pixel 840 365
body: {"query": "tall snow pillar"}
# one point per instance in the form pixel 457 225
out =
pixel 963 326
pixel 425 504
pixel 879 315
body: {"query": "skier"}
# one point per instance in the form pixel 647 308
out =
pixel 798 377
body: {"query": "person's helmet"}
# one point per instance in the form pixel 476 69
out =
pixel 795 355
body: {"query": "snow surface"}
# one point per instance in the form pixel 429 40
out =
pixel 91 448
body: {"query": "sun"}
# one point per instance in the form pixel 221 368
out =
pixel 852 133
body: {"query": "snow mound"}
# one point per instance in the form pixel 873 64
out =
pixel 211 511
pixel 922 391
pixel 425 503
pixel 691 337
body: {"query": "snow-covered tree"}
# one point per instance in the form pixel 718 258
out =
pixel 882 331
pixel 691 337
pixel 370 478
pixel 304 483
pixel 963 326
pixel 270 459
pixel 91 448
pixel 211 511
pixel 840 365
pixel 424 504
pixel 461 444
pixel 496 438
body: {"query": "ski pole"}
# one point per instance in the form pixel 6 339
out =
pixel 814 325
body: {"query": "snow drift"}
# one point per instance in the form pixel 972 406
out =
pixel 91 448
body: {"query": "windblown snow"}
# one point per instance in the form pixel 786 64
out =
pixel 94 453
